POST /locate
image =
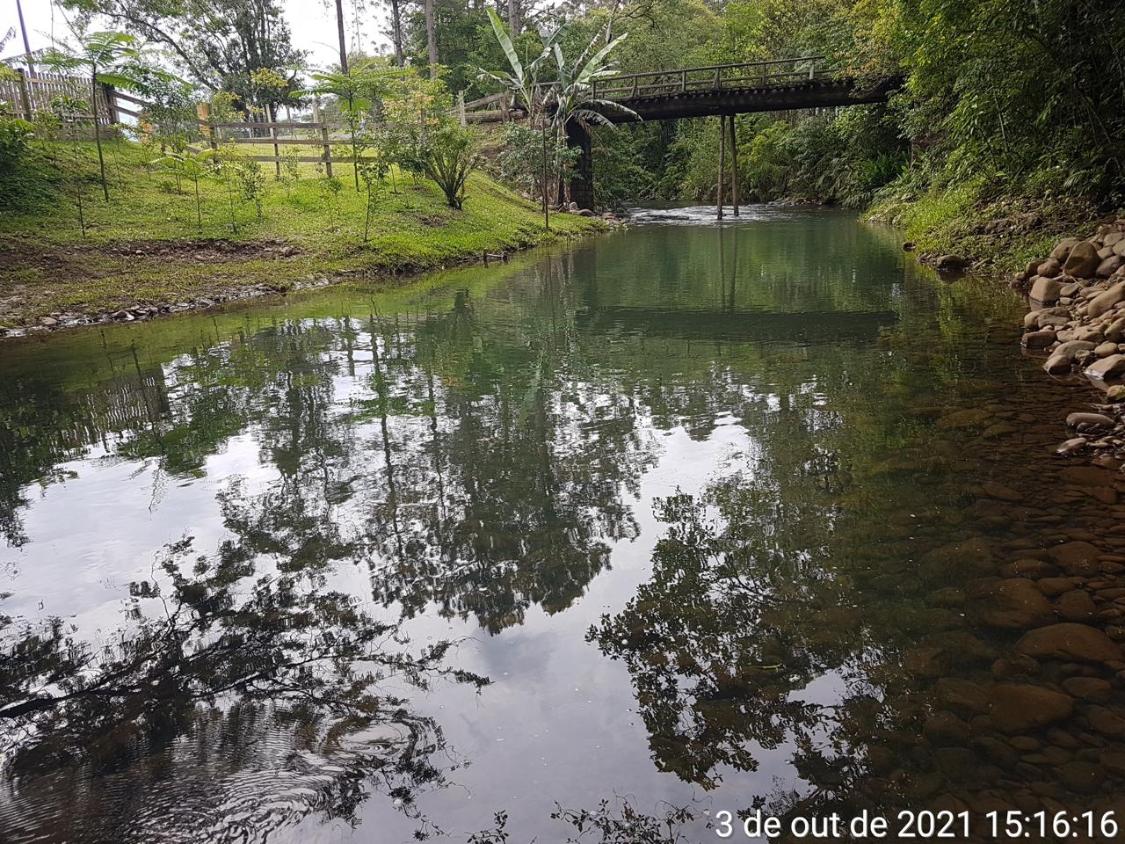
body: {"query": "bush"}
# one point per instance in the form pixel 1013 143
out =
pixel 448 159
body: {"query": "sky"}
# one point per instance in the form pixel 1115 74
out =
pixel 313 25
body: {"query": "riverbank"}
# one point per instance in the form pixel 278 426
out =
pixel 1077 320
pixel 151 250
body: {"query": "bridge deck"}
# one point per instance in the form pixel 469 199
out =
pixel 779 85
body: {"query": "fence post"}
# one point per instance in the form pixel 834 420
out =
pixel 323 139
pixel 24 96
pixel 461 107
pixel 203 111
pixel 110 103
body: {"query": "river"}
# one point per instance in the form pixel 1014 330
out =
pixel 717 511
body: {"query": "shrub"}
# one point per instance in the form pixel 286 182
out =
pixel 449 159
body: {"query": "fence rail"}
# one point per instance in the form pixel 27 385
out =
pixel 710 78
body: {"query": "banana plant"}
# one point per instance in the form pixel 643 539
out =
pixel 108 58
pixel 522 82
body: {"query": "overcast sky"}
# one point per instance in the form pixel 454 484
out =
pixel 313 25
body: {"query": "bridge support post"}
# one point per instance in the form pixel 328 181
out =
pixel 582 179
pixel 733 165
pixel 722 164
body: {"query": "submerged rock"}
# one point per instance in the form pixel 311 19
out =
pixel 1069 641
pixel 1020 707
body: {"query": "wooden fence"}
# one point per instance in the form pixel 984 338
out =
pixel 278 134
pixel 27 95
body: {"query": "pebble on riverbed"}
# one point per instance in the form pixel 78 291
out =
pixel 1077 318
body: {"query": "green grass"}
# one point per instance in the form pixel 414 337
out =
pixel 143 246
pixel 998 233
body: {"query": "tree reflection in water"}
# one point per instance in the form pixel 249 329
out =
pixel 247 675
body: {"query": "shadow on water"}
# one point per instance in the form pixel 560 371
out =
pixel 752 515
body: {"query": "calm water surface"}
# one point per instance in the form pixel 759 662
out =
pixel 706 506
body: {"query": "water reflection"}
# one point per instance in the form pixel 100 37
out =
pixel 750 463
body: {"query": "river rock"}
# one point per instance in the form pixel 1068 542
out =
pixel 950 263
pixel 1083 260
pixel 1115 331
pixel 1058 363
pixel 1106 721
pixel 945 729
pixel 1062 251
pixel 1019 707
pixel 1106 300
pixel 1081 776
pixel 1014 603
pixel 1041 339
pixel 1108 266
pixel 1088 420
pixel 1105 349
pixel 1106 368
pixel 1049 268
pixel 1045 290
pixel 1092 689
pixel 1075 558
pixel 962 696
pixel 1076 605
pixel 1069 641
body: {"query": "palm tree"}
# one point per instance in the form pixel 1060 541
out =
pixel 107 57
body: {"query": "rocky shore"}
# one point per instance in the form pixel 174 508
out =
pixel 1077 321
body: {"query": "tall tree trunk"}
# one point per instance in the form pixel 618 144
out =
pixel 396 32
pixel 26 45
pixel 97 128
pixel 340 34
pixel 515 24
pixel 431 39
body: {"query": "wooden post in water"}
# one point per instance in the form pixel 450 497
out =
pixel 733 165
pixel 722 162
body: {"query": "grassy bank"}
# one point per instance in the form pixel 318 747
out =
pixel 994 232
pixel 149 244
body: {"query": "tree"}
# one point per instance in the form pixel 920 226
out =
pixel 195 166
pixel 357 93
pixel 431 38
pixel 106 57
pixel 219 43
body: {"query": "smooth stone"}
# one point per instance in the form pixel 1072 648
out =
pixel 1014 604
pixel 1019 707
pixel 1077 557
pixel 1083 260
pixel 1106 722
pixel 1106 368
pixel 1103 351
pixel 1080 776
pixel 1062 250
pixel 1093 689
pixel 1041 339
pixel 1104 301
pixel 962 695
pixel 1045 290
pixel 1089 420
pixel 1069 641
pixel 945 729
pixel 1076 605
pixel 1048 269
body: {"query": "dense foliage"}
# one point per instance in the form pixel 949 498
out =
pixel 1001 100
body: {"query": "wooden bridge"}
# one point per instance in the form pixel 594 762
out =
pixel 714 90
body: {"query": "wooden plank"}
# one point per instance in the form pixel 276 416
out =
pixel 130 99
pixel 267 125
pixel 309 142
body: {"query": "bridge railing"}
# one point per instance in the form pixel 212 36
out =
pixel 719 77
